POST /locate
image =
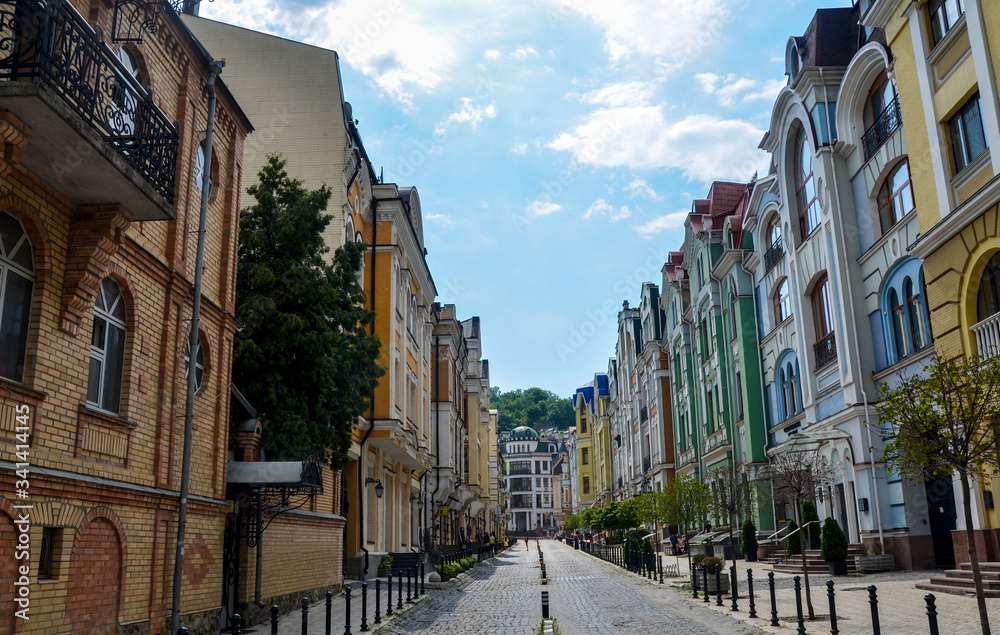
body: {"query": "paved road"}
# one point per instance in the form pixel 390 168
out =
pixel 587 597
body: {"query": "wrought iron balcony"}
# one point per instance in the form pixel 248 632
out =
pixel 882 128
pixel 96 131
pixel 825 350
pixel 773 255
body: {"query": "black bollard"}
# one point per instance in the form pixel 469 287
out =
pixel 275 617
pixel 873 600
pixel 305 616
pixel 237 624
pixel 182 631
pixel 388 604
pixel 378 601
pixel 422 577
pixel 660 563
pixel 753 609
pixel 774 603
pixel 931 613
pixel 347 612
pixel 833 608
pixel 399 594
pixel 545 605
pixel 718 585
pixel 798 606
pixel 409 578
pixel 329 613
pixel 733 581
pixel 364 607
pixel 704 579
pixel 694 582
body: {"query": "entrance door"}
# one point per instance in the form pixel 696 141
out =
pixel 942 515
pixel 842 509
pixel 231 569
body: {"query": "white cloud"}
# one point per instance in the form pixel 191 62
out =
pixel 542 207
pixel 519 148
pixel 703 147
pixel 673 32
pixel 492 54
pixel 469 112
pixel 524 53
pixel 619 94
pixel 663 223
pixel 735 91
pixel 641 187
pixel 389 43
pixel 440 219
pixel 601 207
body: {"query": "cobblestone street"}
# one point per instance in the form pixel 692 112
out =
pixel 587 597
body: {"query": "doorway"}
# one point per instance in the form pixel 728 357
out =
pixel 942 515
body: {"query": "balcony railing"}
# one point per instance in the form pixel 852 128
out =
pixel 50 43
pixel 988 336
pixel 887 123
pixel 825 350
pixel 773 255
pixel 643 415
pixel 645 465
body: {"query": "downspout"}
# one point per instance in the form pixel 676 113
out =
pixel 214 69
pixel 854 328
pixel 350 182
pixel 371 411
pixel 437 425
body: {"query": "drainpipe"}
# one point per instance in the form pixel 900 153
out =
pixel 854 328
pixel 371 408
pixel 214 69
pixel 437 424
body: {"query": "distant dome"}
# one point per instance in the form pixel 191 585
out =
pixel 523 433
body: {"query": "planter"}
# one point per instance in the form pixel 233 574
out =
pixel 711 582
pixel 750 557
pixel 881 562
pixel 383 573
pixel 838 567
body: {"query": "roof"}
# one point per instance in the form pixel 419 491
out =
pixel 831 38
pixel 523 433
pixel 275 474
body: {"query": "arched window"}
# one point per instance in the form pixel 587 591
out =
pixel 782 303
pixel 349 231
pixel 895 197
pixel 411 317
pixel 882 93
pixel 988 300
pixel 774 234
pixel 17 281
pixel 732 315
pixel 107 348
pixel 805 186
pixel 124 98
pixel 199 364
pixel 906 319
pixel 789 389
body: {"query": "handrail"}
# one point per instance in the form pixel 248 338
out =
pixel 797 530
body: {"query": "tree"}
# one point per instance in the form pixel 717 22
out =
pixel 945 421
pixel 534 407
pixel 748 539
pixel 795 478
pixel 833 547
pixel 793 539
pixel 302 355
pixel 731 499
pixel 686 503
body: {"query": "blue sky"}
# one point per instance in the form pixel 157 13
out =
pixel 556 144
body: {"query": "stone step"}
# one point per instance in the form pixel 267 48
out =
pixel 956 590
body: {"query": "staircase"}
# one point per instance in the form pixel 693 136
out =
pixel 959 581
pixel 782 563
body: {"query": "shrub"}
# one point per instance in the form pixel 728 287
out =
pixel 698 557
pixel 833 547
pixel 748 537
pixel 794 543
pixel 710 563
pixel 385 562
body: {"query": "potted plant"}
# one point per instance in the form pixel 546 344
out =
pixel 748 541
pixel 710 564
pixel 833 547
pixel 793 541
pixel 809 515
pixel 384 565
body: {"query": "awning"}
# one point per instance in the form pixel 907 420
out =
pixel 299 476
pixel 811 441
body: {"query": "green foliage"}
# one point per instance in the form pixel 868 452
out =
pixel 302 356
pixel 833 546
pixel 793 545
pixel 809 514
pixel 698 557
pixel 710 563
pixel 748 537
pixel 685 502
pixel 534 407
pixel 572 523
pixel 385 562
pixel 467 563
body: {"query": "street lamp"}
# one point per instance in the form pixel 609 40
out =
pixel 379 488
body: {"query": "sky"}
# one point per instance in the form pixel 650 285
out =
pixel 557 145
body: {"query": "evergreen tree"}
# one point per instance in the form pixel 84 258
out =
pixel 302 355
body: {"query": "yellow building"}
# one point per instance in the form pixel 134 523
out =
pixel 582 460
pixel 945 58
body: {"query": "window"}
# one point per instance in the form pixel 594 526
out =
pixel 895 198
pixel 732 316
pixel 411 317
pixel 124 92
pixel 944 14
pixel 17 279
pixel 107 348
pixel 988 298
pixel 349 230
pixel 881 95
pixel 738 388
pixel 585 458
pixel 586 484
pixel 583 426
pixel 967 138
pixel 805 187
pixel 791 390
pixel 782 303
pixel 200 164
pixel 47 553
pixel 199 364
pixel 823 309
pixel 906 319
pixel 774 235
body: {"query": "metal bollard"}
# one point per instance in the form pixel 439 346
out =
pixel 931 613
pixel 798 606
pixel 774 603
pixel 388 604
pixel 694 582
pixel 753 609
pixel 718 585
pixel 873 600
pixel 422 578
pixel 364 606
pixel 409 578
pixel 275 617
pixel 237 624
pixel 378 601
pixel 182 631
pixel 833 608
pixel 305 616
pixel 704 579
pixel 399 593
pixel 734 581
pixel 660 563
pixel 347 613
pixel 545 605
pixel 329 613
